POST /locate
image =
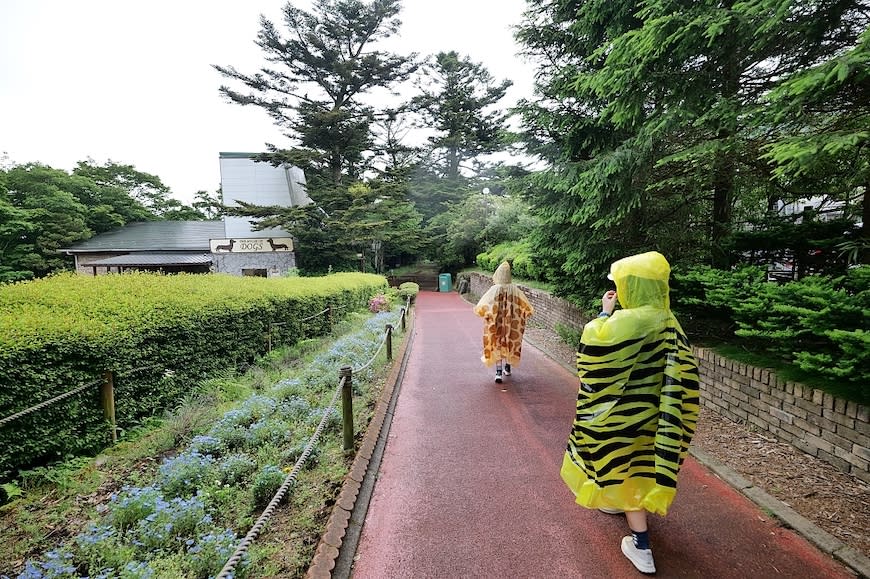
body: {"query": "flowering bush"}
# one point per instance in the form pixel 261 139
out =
pixel 205 444
pixel 132 505
pixel 171 524
pixel 236 468
pixel 184 474
pixel 209 553
pixel 57 564
pixel 266 431
pixel 379 303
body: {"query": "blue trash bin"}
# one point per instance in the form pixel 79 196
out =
pixel 445 282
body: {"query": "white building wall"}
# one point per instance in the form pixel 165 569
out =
pixel 243 179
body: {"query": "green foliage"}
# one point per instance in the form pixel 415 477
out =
pixel 569 335
pixel 145 531
pixel 65 331
pixel 521 255
pixel 266 484
pixel 818 323
pixel 326 63
pixel 44 210
pixel 408 289
pixel 652 120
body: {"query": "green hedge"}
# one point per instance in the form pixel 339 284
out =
pixel 819 324
pixel 159 335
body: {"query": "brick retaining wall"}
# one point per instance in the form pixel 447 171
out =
pixel 832 429
pixel 814 421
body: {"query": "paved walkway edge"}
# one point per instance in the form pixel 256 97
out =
pixel 338 544
pixel 824 541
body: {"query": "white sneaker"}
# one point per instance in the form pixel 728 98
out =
pixel 498 376
pixel 507 369
pixel 640 558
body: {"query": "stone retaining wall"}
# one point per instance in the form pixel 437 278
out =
pixel 816 422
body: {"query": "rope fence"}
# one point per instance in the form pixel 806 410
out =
pixel 345 388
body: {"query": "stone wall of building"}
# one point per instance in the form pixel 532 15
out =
pixel 273 263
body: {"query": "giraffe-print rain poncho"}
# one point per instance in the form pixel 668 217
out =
pixel 504 309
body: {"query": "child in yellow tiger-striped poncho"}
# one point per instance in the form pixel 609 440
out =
pixel 504 309
pixel 637 405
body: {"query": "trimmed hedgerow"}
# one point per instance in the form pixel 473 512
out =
pixel 157 334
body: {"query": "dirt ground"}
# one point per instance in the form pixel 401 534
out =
pixel 837 502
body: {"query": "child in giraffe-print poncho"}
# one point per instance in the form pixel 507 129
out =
pixel 504 309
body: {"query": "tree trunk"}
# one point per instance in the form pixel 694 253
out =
pixel 864 239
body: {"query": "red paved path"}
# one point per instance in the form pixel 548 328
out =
pixel 469 484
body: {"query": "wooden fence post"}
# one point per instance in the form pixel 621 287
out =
pixel 107 397
pixel 389 341
pixel 346 374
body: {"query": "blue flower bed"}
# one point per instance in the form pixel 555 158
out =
pixel 174 518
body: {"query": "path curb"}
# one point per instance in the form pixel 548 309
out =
pixel 788 517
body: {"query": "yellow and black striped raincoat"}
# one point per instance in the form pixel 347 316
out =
pixel 638 401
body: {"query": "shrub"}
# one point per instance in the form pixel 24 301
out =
pixel 171 524
pixel 184 474
pixel 235 468
pixel 817 323
pixel 379 303
pixel 132 505
pixel 206 557
pixel 266 484
pixel 408 289
pixel 64 331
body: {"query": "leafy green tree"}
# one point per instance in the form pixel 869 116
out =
pixel 130 195
pixel 209 205
pixel 314 90
pixel 15 226
pixel 477 223
pixel 822 120
pixel 45 217
pixel 322 69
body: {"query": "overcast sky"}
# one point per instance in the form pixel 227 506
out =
pixel 131 82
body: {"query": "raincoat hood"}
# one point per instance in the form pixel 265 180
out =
pixel 502 275
pixel 642 280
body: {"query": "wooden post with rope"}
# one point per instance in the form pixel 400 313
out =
pixel 346 374
pixel 107 398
